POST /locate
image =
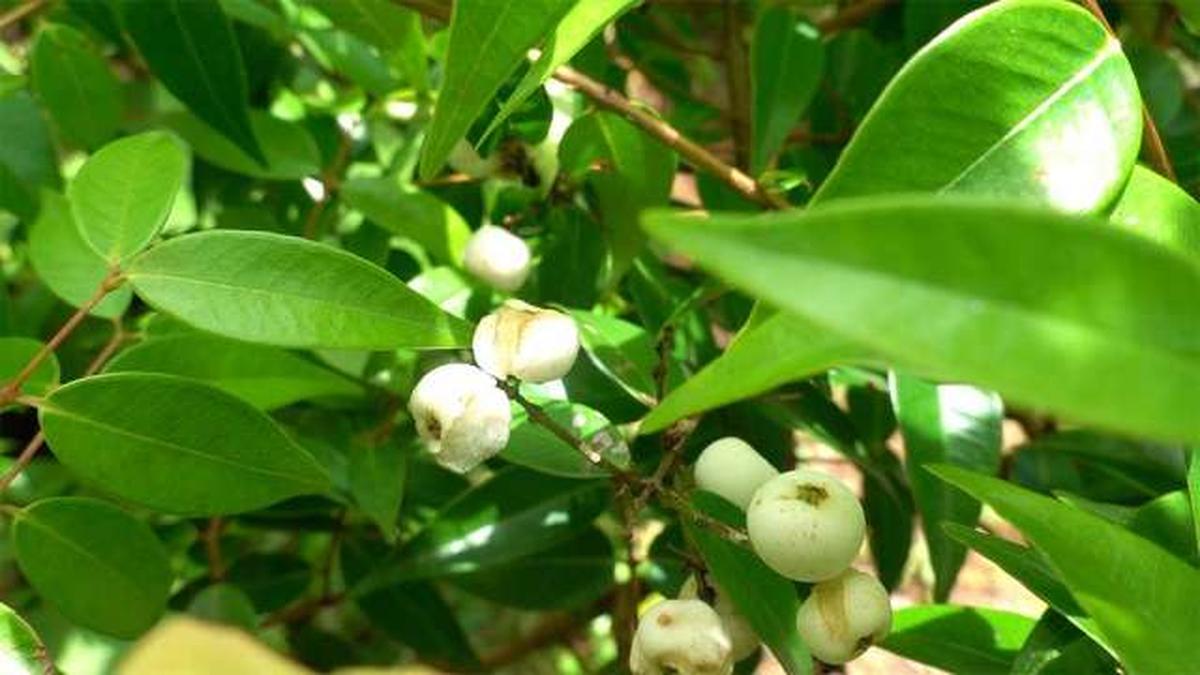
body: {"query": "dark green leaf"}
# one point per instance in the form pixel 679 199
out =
pixel 76 86
pixel 175 445
pixel 265 377
pixel 377 477
pixel 786 59
pixel 1057 646
pixel 190 46
pixel 487 42
pixel 97 564
pixel 224 603
pixel 953 424
pixel 965 290
pixel 15 353
pixel 288 291
pixel 27 157
pixel 959 639
pixel 271 580
pixel 411 213
pixel 290 152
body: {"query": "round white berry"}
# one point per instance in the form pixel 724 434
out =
pixel 732 468
pixel 461 414
pixel 805 525
pixel 497 257
pixel 681 636
pixel 526 342
pixel 742 638
pixel 844 616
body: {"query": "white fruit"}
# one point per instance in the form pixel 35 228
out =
pixel 461 414
pixel 742 638
pixel 465 159
pixel 844 616
pixel 526 342
pixel 497 257
pixel 683 637
pixel 732 468
pixel 805 525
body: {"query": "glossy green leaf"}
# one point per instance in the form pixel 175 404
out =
pixel 21 649
pixel 411 213
pixel 635 172
pixel 75 84
pixel 563 577
pixel 1064 128
pixel 488 40
pixel 976 291
pixel 66 263
pixel 287 291
pixel 122 195
pixel 582 22
pixel 175 445
pixel 1138 594
pixel 377 477
pixel 98 565
pixel 1157 208
pixel 265 377
pixel 191 47
pixel 959 639
pixel 621 350
pixel 1167 521
pixel 15 353
pixel 953 424
pixel 1056 646
pixel 1031 569
pixel 514 514
pixel 783 348
pixel 786 63
pixel 290 152
pixel 767 600
pixel 533 446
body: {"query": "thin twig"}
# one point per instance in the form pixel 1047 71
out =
pixel 212 549
pixel 23 460
pixel 629 593
pixel 737 78
pixel 20 12
pixel 1152 143
pixel 302 610
pixel 331 182
pixel 13 388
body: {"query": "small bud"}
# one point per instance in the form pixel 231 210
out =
pixel 844 616
pixel 461 414
pixel 805 525
pixel 681 636
pixel 742 638
pixel 732 468
pixel 497 257
pixel 527 342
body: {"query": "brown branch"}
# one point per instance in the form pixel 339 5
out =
pixel 302 610
pixel 23 460
pixel 737 78
pixel 12 389
pixel 1152 143
pixel 20 12
pixel 628 594
pixel 852 15
pixel 212 548
pixel 331 182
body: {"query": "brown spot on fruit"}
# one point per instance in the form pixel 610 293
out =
pixel 811 494
pixel 664 619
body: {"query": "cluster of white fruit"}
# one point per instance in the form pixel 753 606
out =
pixel 806 526
pixel 460 412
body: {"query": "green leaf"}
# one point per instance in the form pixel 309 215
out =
pixel 1193 487
pixel 888 503
pixel 533 446
pixel 27 156
pixel 514 514
pixel 958 639
pixel 1029 568
pixel 1139 595
pixel 377 477
pixel 635 173
pixel 409 212
pixel 782 348
pixel 265 377
pixel 786 63
pixel 1167 521
pixel 287 291
pixel 20 647
pixel 224 603
pixel 1157 208
pixel 102 568
pixel 271 580
pixel 1056 646
pixel 1064 128
pixel 582 22
pixel 122 195
pixel 191 48
pixel 563 577
pixel 75 84
pixel 289 151
pixel 175 445
pixel 15 353
pixel 767 600
pixel 976 291
pixel 621 350
pixel 487 42
pixel 382 23
pixel 66 263
pixel 953 424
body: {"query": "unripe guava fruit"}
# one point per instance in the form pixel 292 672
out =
pixel 732 468
pixel 844 616
pixel 526 342
pixel 680 636
pixel 461 414
pixel 742 638
pixel 805 525
pixel 498 258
